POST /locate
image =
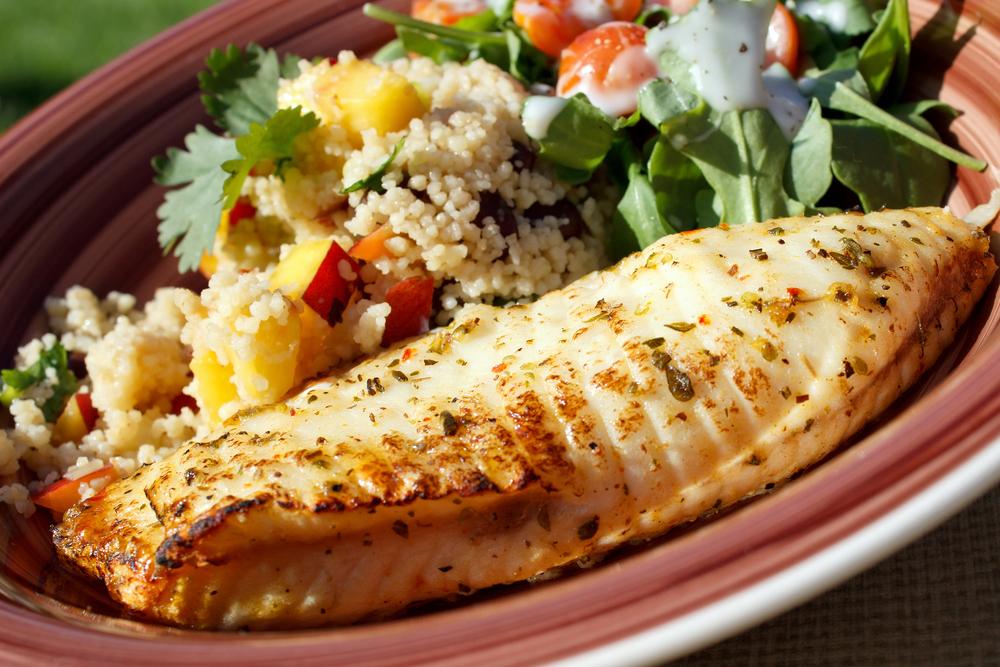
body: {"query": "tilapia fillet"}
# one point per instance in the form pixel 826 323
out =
pixel 687 377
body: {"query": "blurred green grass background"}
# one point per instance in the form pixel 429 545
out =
pixel 45 45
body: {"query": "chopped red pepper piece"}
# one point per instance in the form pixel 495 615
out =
pixel 241 210
pixel 331 289
pixel 411 301
pixel 181 401
pixel 63 494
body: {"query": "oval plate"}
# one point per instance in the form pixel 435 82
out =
pixel 78 207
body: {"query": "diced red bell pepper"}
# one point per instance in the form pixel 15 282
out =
pixel 63 494
pixel 332 288
pixel 241 210
pixel 411 301
pixel 181 401
pixel 371 247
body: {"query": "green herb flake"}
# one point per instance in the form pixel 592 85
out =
pixel 736 330
pixel 400 375
pixel 16 382
pixel 373 181
pixel 683 327
pixel 654 342
pixel 679 384
pixel 758 254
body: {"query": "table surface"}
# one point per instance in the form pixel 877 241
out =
pixel 937 602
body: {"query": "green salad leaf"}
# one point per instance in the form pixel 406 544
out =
pixel 676 182
pixel 884 60
pixel 885 168
pixel 854 17
pixel 577 139
pixel 189 216
pixel 808 171
pixel 638 208
pixel 240 86
pixel 393 50
pixel 744 161
pixel 837 95
pixel 272 142
pixel 373 181
pixel 14 383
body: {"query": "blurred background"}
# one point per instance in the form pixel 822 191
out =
pixel 45 45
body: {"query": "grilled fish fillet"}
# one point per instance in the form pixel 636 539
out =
pixel 689 376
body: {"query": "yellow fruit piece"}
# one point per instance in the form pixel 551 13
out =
pixel 294 273
pixel 71 426
pixel 214 386
pixel 269 372
pixel 370 97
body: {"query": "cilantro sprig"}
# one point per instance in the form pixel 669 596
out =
pixel 373 181
pixel 272 141
pixel 16 382
pixel 240 86
pixel 240 92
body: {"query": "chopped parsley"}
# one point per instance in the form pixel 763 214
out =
pixel 373 181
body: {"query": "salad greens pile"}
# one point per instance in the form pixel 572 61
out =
pixel 681 164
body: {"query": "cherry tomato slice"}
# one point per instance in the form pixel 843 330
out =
pixel 782 41
pixel 552 25
pixel 446 12
pixel 609 64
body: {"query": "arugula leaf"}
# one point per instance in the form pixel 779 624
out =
pixel 664 104
pixel 743 160
pixel 577 139
pixel 189 216
pixel 484 21
pixel 885 57
pixel 816 40
pixel 676 181
pixel 393 50
pixel 274 142
pixel 807 173
pixel 639 210
pixel 885 168
pixel 853 17
pixel 708 207
pixel 525 62
pixel 836 95
pixel 16 382
pixel 373 181
pixel 439 50
pixel 240 86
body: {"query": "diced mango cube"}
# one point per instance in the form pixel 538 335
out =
pixel 269 372
pixel 215 388
pixel 371 97
pixel 293 274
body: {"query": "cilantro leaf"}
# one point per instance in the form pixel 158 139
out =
pixel 189 216
pixel 272 141
pixel 373 181
pixel 240 86
pixel 16 382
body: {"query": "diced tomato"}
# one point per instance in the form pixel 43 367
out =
pixel 783 40
pixel 335 283
pixel 552 25
pixel 446 12
pixel 60 496
pixel 181 401
pixel 411 300
pixel 610 64
pixel 241 210
pixel 371 247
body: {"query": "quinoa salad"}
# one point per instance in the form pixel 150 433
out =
pixel 490 154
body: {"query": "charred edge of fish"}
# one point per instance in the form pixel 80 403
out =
pixel 166 552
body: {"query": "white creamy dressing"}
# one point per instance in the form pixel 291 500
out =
pixel 617 94
pixel 539 112
pixel 725 42
pixel 833 14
